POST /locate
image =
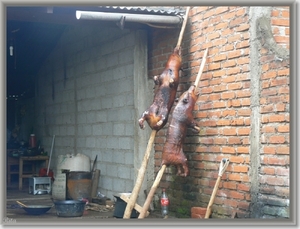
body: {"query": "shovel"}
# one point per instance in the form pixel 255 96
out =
pixel 223 166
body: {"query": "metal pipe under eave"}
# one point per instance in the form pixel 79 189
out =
pixel 140 18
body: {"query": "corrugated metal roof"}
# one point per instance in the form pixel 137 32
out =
pixel 166 10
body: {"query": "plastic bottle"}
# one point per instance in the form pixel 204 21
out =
pixel 164 202
pixel 32 141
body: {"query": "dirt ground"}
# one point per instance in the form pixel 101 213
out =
pixel 93 214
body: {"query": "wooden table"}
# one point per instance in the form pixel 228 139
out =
pixel 33 159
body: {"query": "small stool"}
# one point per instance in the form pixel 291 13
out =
pixel 39 185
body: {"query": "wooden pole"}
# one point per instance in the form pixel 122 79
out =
pixel 183 27
pixel 223 166
pixel 152 192
pixel 139 180
pixel 201 68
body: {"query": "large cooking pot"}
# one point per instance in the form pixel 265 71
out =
pixel 69 208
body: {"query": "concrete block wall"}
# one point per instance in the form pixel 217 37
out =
pixel 242 109
pixel 85 96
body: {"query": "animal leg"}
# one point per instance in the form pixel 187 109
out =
pixel 142 119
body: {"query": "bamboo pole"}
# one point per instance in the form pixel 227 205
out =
pixel 152 192
pixel 142 170
pixel 183 27
pixel 201 68
pixel 139 180
pixel 223 166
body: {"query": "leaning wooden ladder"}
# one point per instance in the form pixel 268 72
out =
pixel 140 177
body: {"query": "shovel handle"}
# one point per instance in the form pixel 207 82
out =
pixel 223 166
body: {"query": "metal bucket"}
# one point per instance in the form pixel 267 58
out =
pixel 69 208
pixel 120 206
pixel 79 185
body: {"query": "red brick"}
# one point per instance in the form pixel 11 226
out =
pixel 201 114
pixel 229 79
pixel 234 86
pixel 219 42
pixel 226 113
pixel 275 161
pixel 219 73
pixel 268 170
pixel 277 139
pixel 268 129
pixel 242 27
pixel 242 149
pixel 282 171
pixel 226 149
pixel 207 141
pixel 276 118
pixel 272 180
pixel 246 102
pixel 280 107
pixel 220 141
pixel 270 74
pixel 223 122
pixel 243 187
pixel 239 168
pixel 283 150
pixel 242 77
pixel 229 131
pixel 283 129
pixel 234 54
pixel 228 15
pixel 222 9
pixel 219 88
pixel 244 131
pixel 243 93
pixel 213 35
pixel 215 81
pixel 268 92
pixel 221 25
pixel 241 12
pixel 214 114
pixel 206 90
pixel 219 104
pixel 234 103
pixel 211 131
pixel 267 108
pixel 244 112
pixel 228 95
pixel 237 122
pixel 237 159
pixel 234 140
pixel 219 57
pixel 241 45
pixel 231 71
pixel 280 22
pixel 278 81
pixel 284 72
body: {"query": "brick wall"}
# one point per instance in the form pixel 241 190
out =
pixel 274 109
pixel 229 91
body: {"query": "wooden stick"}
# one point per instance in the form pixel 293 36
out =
pixel 140 178
pixel 136 206
pixel 223 166
pixel 152 192
pixel 201 68
pixel 183 27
